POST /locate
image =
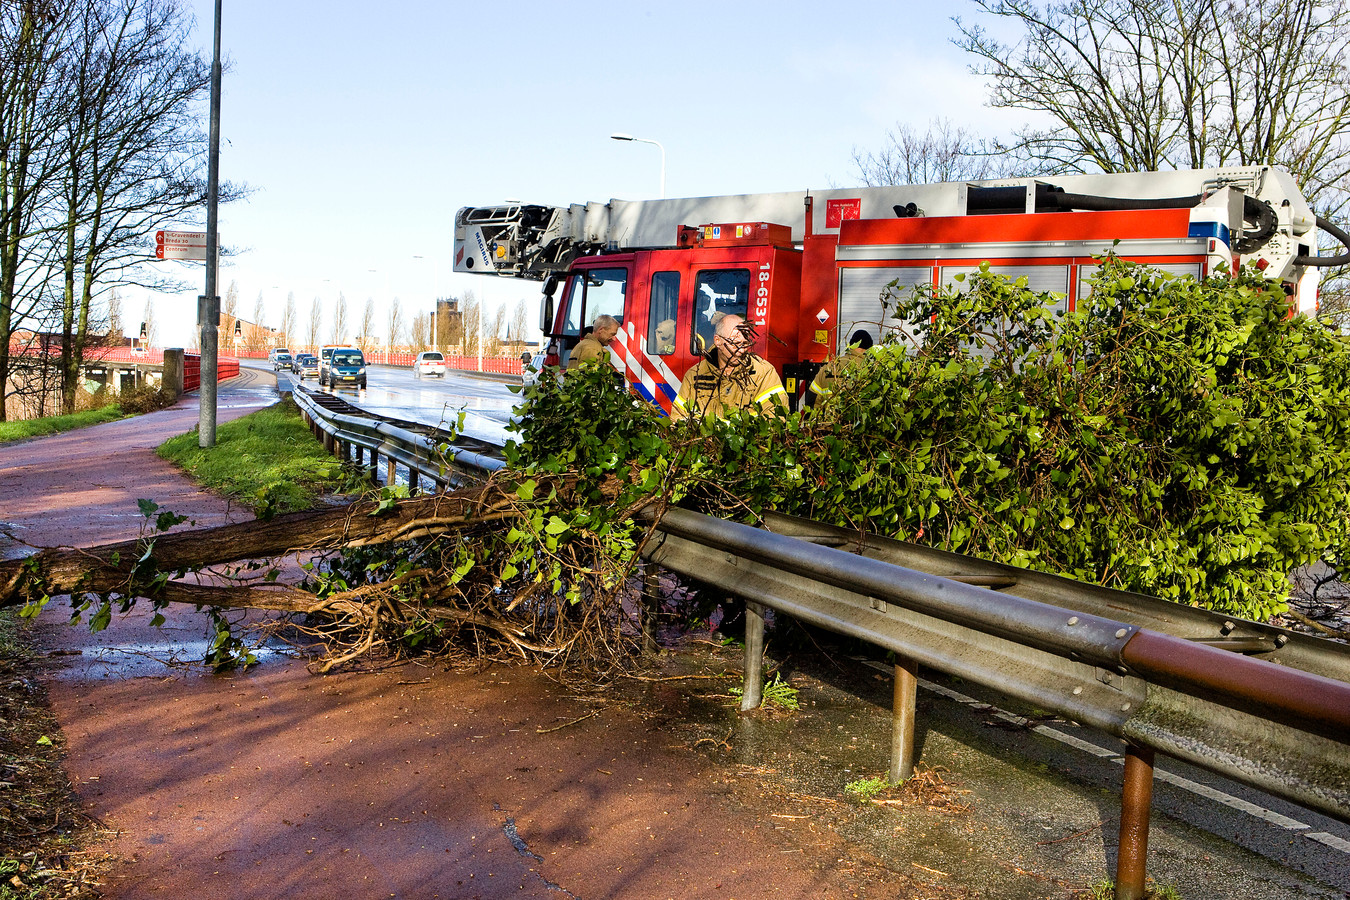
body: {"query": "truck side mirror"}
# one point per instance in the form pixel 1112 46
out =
pixel 546 314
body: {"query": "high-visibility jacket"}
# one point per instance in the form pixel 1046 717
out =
pixel 750 384
pixel 826 380
pixel 588 349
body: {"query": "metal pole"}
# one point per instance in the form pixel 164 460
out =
pixel 753 688
pixel 1136 799
pixel 208 306
pixel 902 719
pixel 650 606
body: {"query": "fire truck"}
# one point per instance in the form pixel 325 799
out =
pixel 808 269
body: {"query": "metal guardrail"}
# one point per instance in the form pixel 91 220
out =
pixel 424 451
pixel 1261 705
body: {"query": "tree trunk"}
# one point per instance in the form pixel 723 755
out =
pixel 109 567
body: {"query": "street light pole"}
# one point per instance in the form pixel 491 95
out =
pixel 619 136
pixel 208 305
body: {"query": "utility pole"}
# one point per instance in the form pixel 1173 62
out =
pixel 208 305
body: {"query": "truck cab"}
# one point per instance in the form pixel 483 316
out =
pixel 667 302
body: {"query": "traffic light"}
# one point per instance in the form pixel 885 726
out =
pixel 238 329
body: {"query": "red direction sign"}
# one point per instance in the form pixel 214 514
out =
pixel 180 245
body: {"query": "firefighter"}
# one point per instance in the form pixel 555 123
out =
pixel 851 360
pixel 593 345
pixel 665 337
pixel 728 378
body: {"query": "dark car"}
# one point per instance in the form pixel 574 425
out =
pixel 345 365
pixel 306 365
pixel 281 360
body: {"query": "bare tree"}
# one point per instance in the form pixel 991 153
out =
pixel 419 332
pixel 229 304
pixel 472 323
pixel 395 324
pixel 1130 85
pixel 315 325
pixel 520 321
pixel 942 152
pixel 366 338
pixel 257 336
pixel 288 320
pixel 149 328
pixel 339 332
pixel 115 335
pixel 33 42
pixel 496 329
pixel 129 153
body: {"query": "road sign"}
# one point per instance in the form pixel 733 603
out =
pixel 180 245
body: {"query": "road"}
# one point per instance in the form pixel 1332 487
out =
pixel 398 393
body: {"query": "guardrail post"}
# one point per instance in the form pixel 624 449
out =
pixel 391 471
pixel 412 480
pixel 374 465
pixel 1136 799
pixel 650 605
pixel 753 688
pixel 902 719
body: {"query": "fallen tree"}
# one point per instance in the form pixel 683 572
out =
pixel 1188 440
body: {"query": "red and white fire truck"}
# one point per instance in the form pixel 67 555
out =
pixel 808 269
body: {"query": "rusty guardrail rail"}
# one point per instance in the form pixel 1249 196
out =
pixel 1164 678
pixel 1259 704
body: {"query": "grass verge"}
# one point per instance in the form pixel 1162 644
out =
pixel 45 839
pixel 266 460
pixel 17 431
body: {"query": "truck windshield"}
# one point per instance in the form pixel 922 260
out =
pixel 603 294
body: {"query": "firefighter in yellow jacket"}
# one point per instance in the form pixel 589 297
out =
pixel 841 367
pixel 728 378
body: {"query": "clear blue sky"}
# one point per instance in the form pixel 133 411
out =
pixel 362 129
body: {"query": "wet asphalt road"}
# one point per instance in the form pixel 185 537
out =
pixel 396 392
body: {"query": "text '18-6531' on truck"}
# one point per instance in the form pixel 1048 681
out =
pixel 807 270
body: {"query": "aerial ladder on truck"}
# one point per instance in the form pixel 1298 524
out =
pixel 808 269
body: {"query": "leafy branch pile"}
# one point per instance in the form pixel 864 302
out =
pixel 1186 440
pixel 1181 439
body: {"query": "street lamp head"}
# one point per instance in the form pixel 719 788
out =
pixel 620 136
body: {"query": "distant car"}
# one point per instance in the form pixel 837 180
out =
pixel 342 365
pixel 281 361
pixel 306 365
pixel 274 353
pixel 429 363
pixel 532 366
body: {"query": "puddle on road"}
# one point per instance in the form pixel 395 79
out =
pixel 145 660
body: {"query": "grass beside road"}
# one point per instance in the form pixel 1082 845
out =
pixel 17 431
pixel 267 460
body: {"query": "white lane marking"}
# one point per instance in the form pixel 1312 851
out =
pixel 1186 784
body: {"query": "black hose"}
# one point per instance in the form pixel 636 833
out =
pixel 1258 212
pixel 1325 261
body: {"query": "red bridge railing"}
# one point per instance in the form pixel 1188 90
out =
pixel 226 367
